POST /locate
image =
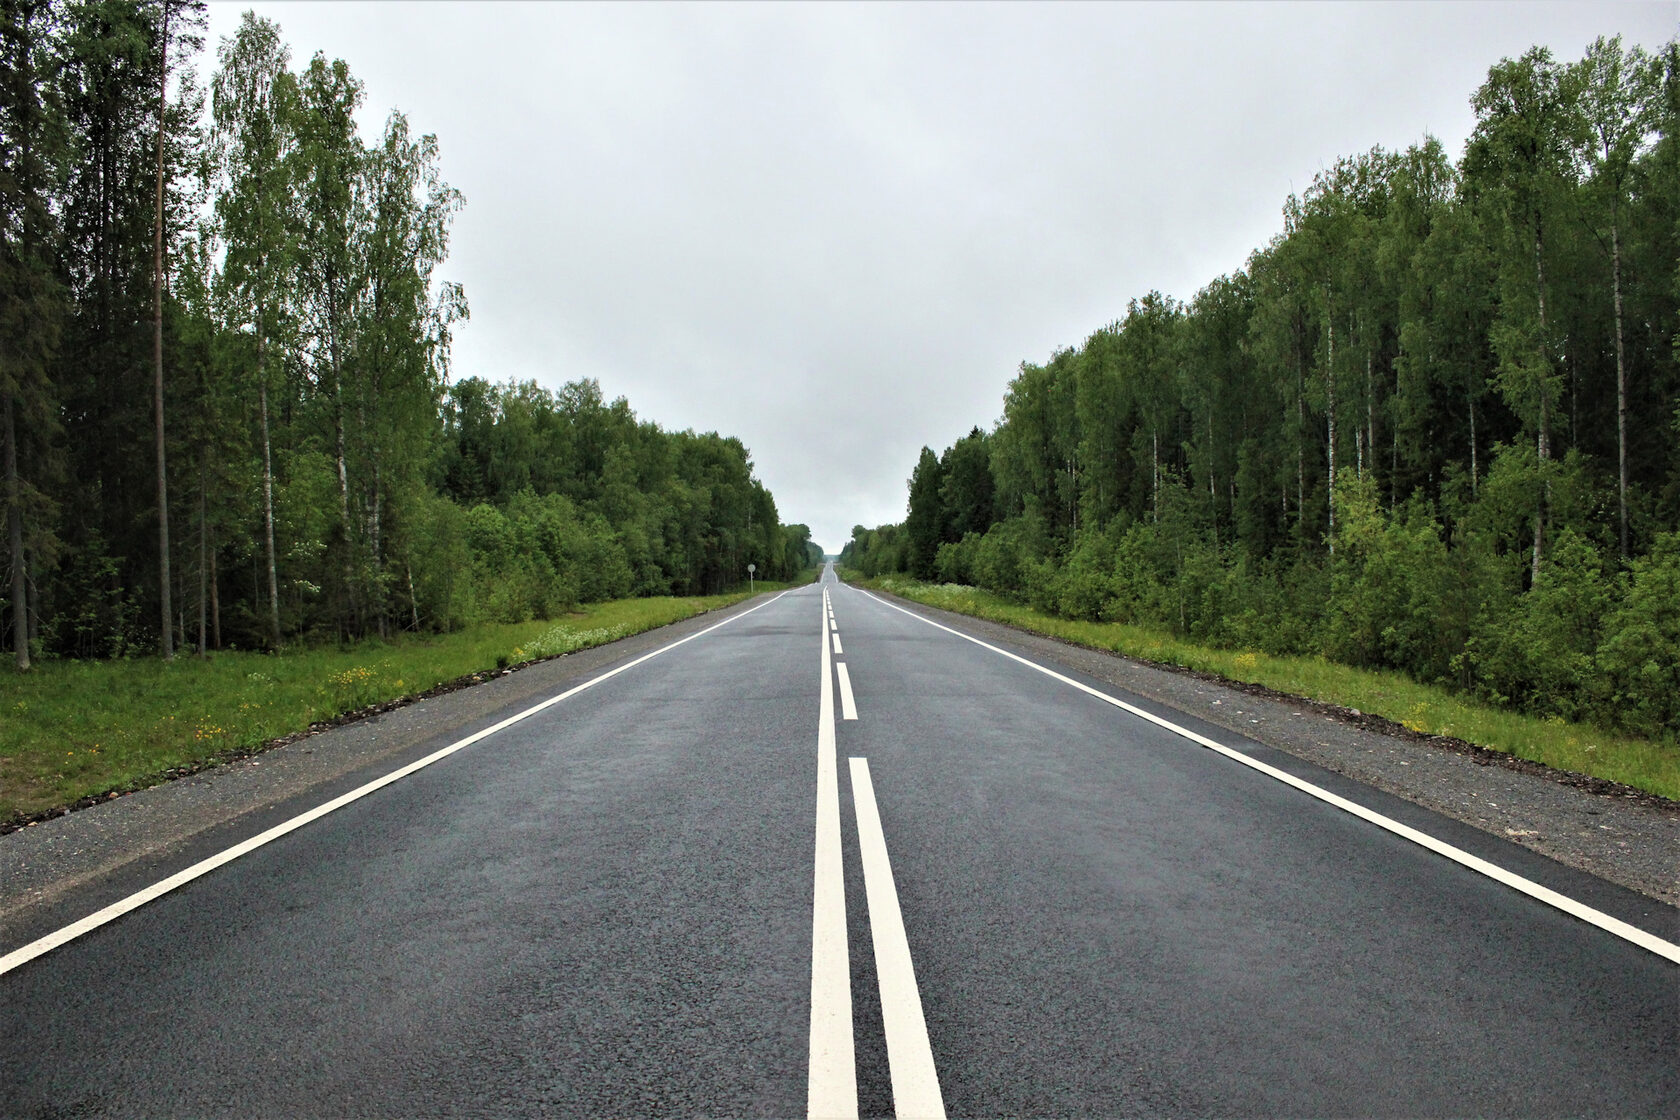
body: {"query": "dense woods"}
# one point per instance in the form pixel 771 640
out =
pixel 1433 426
pixel 226 406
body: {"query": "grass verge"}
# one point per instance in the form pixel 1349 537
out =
pixel 1426 709
pixel 74 730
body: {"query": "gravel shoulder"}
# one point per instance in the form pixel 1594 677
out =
pixel 95 855
pixel 1616 833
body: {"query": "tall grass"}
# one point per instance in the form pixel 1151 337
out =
pixel 1427 709
pixel 70 730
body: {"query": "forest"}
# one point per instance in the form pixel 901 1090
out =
pixel 1432 426
pixel 226 405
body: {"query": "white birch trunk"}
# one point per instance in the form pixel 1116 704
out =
pixel 1621 384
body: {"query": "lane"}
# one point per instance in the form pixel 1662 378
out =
pixel 1106 919
pixel 605 909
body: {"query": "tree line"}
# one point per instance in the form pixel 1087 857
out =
pixel 1433 425
pixel 226 409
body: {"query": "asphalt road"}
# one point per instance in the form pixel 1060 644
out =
pixel 611 907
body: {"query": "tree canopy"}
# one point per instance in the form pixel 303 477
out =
pixel 227 409
pixel 1433 425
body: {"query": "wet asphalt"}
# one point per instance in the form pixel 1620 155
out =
pixel 606 910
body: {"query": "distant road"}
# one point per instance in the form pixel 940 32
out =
pixel 827 855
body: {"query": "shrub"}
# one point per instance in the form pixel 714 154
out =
pixel 1539 654
pixel 1639 656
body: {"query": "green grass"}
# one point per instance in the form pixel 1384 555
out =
pixel 76 729
pixel 1429 709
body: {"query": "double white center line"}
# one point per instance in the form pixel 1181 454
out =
pixel 831 1088
pixel 831 1085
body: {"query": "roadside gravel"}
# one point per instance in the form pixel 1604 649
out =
pixel 154 832
pixel 1617 833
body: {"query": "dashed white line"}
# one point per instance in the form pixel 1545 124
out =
pixel 848 706
pixel 915 1080
pixel 831 1078
pixel 1624 930
pixel 837 650
pixel 162 887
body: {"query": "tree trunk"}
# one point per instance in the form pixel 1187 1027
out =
pixel 1621 386
pixel 1473 471
pixel 1213 491
pixel 268 508
pixel 1394 444
pixel 165 611
pixel 1330 426
pixel 215 603
pixel 1543 446
pixel 1300 446
pixel 339 451
pixel 203 567
pixel 413 603
pixel 1370 418
pixel 14 538
pixel 1155 469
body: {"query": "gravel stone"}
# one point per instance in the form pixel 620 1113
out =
pixel 1617 833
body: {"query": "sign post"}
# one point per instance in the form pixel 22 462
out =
pixel 751 568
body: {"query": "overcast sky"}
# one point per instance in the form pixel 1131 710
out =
pixel 835 230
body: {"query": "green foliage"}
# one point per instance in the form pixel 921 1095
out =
pixel 74 729
pixel 1394 439
pixel 330 482
pixel 1581 747
pixel 924 525
pixel 1639 655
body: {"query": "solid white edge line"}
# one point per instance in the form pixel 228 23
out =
pixel 848 706
pixel 915 1079
pixel 831 1075
pixel 1627 932
pixel 162 887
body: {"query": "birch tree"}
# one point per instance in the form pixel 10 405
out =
pixel 253 96
pixel 1617 92
pixel 328 159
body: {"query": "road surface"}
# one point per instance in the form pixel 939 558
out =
pixel 827 857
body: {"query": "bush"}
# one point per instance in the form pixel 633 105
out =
pixel 1083 588
pixel 956 561
pixel 1639 656
pixel 1539 655
pixel 1003 555
pixel 1388 586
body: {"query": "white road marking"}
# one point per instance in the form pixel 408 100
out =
pixel 848 706
pixel 1627 932
pixel 915 1081
pixel 831 1080
pixel 163 886
pixel 832 625
pixel 838 652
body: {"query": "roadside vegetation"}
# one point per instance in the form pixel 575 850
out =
pixel 228 414
pixel 229 423
pixel 72 730
pixel 1423 708
pixel 1430 431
